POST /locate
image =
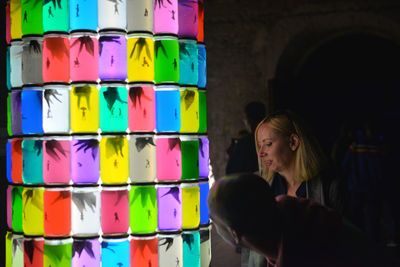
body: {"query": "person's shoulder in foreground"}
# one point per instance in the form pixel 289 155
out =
pixel 287 231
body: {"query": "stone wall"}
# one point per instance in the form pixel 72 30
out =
pixel 251 44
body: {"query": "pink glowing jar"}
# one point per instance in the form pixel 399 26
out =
pixel 114 210
pixel 56 160
pixel 165 17
pixel 169 158
pixel 141 107
pixel 84 56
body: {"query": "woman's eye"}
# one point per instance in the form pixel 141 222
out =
pixel 269 144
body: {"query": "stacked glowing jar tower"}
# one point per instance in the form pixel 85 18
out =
pixel 108 157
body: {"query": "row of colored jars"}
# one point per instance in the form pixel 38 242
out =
pixel 181 17
pixel 187 248
pixel 84 211
pixel 110 107
pixel 113 159
pixel 85 57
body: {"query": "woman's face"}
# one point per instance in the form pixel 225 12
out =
pixel 275 151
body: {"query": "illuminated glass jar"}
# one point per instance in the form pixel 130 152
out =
pixel 31 15
pixel 168 108
pixel 204 189
pixel 9 118
pixel 56 15
pixel 57 211
pixel 84 106
pixel 17 242
pixel 202 111
pixel 202 63
pixel 9 206
pixel 170 250
pixel 85 211
pixel 190 157
pixel 8 69
pixel 190 205
pixel 200 33
pixel 32 60
pixel 112 14
pixel 115 252
pixel 16 209
pixel 188 62
pixel 16 160
pixel 56 105
pixel 84 56
pixel 189 110
pixel 166 16
pixel 169 201
pixel 33 217
pixel 32 160
pixel 15 100
pixel 33 251
pixel 8 24
pixel 141 107
pixel 85 160
pixel 191 248
pixel 31 110
pixel 112 55
pixel 205 246
pixel 140 58
pixel 144 251
pixel 9 248
pixel 166 62
pixel 56 160
pixel 16 63
pixel 142 154
pixel 140 17
pixel 204 156
pixel 169 158
pixel 188 18
pixel 57 252
pixel 113 107
pixel 86 252
pixel 8 160
pixel 15 18
pixel 55 57
pixel 83 15
pixel 114 210
pixel 143 209
pixel 114 159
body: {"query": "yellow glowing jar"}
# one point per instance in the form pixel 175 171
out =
pixel 32 220
pixel 16 22
pixel 114 159
pixel 140 58
pixel 190 205
pixel 189 110
pixel 84 108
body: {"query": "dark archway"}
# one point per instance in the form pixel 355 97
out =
pixel 348 78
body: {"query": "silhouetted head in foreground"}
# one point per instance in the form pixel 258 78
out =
pixel 242 207
pixel 287 231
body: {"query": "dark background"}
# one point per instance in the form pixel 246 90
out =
pixel 332 61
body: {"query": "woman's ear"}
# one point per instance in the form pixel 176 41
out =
pixel 294 142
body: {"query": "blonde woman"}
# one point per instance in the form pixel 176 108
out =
pixel 293 163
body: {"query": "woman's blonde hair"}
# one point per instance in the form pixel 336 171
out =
pixel 309 157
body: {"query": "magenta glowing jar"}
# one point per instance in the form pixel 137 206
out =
pixel 165 17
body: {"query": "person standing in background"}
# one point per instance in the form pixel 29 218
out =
pixel 242 151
